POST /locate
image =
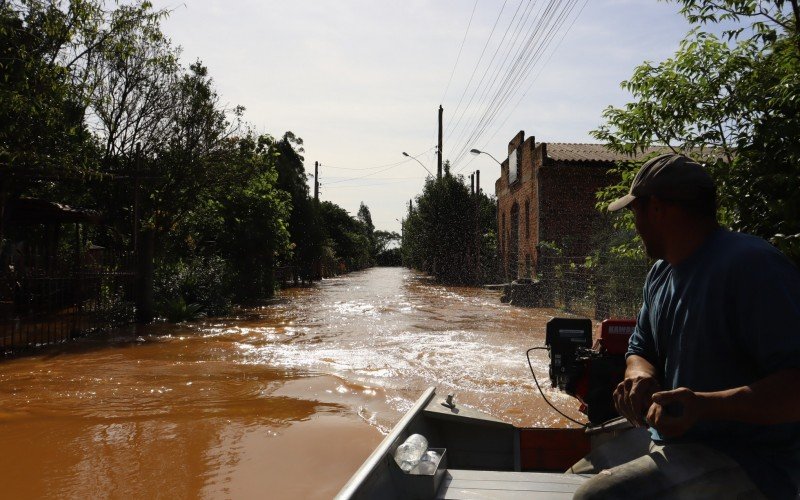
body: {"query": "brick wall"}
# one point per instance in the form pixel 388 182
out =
pixel 569 217
pixel 521 193
pixel 556 202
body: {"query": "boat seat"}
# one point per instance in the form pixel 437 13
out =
pixel 471 484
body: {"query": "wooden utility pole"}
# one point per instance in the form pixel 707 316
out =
pixel 478 182
pixel 439 155
pixel 472 183
pixel 316 181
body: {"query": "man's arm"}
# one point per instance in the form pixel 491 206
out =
pixel 632 395
pixel 767 401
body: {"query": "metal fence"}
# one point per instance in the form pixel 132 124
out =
pixel 611 288
pixel 45 299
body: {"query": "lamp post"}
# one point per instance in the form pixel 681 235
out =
pixel 415 159
pixel 477 152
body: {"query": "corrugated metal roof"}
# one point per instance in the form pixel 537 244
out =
pixel 565 151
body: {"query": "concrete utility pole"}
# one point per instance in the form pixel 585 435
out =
pixel 439 155
pixel 316 181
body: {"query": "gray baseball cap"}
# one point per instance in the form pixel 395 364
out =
pixel 670 177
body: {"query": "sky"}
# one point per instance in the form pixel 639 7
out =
pixel 361 80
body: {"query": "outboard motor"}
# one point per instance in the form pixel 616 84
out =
pixel 589 372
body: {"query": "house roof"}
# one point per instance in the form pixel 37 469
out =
pixel 577 152
pixel 36 211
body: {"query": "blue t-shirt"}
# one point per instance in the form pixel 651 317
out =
pixel 725 317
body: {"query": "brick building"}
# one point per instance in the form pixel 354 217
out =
pixel 549 196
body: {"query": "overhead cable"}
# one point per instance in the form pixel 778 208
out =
pixel 461 99
pixel 537 46
pixel 458 57
pixel 459 116
pixel 534 41
pixel 536 77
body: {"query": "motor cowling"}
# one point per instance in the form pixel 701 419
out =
pixel 586 371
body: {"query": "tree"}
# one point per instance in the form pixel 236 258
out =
pixel 365 218
pixel 350 248
pixel 450 232
pixel 255 215
pixel 732 102
pixel 383 239
pixel 134 87
pixel 42 134
pixel 305 228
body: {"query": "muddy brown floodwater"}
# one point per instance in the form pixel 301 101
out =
pixel 284 401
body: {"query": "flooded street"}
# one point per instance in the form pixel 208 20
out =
pixel 284 401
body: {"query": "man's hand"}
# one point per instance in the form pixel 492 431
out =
pixel 632 397
pixel 674 412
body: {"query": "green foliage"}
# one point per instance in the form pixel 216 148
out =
pixel 731 102
pixel 97 111
pixel 450 233
pixel 305 228
pixel 42 133
pixel 205 281
pixel 349 243
pixel 177 310
pixel 383 239
pixel 390 258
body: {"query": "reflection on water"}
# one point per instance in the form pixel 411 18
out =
pixel 243 406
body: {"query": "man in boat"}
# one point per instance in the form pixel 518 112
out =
pixel 713 366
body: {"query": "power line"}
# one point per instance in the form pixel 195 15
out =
pixel 510 71
pixel 530 85
pixel 512 48
pixel 535 48
pixel 534 37
pixel 376 184
pixel 383 168
pixel 450 80
pixel 520 78
pixel 461 99
pixel 488 65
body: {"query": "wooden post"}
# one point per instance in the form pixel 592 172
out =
pixel 439 154
pixel 316 181
pixel 136 172
pixel 145 301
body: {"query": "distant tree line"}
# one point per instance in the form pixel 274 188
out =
pixel 97 111
pixel 451 233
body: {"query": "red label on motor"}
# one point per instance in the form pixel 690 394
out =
pixel 615 333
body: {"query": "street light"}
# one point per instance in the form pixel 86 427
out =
pixel 477 152
pixel 415 159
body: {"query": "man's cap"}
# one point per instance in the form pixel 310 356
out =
pixel 670 177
